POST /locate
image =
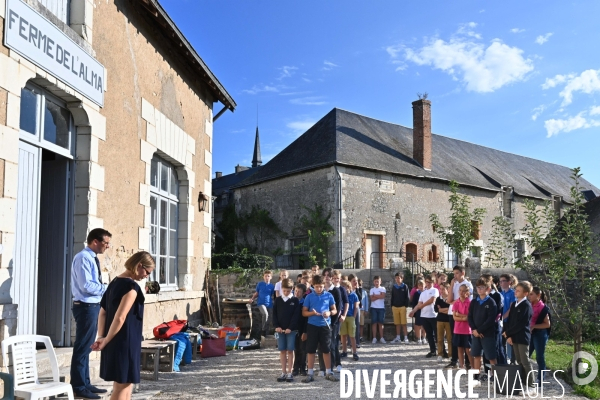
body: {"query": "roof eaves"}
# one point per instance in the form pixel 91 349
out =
pixel 281 175
pixel 154 7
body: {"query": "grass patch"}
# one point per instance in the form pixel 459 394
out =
pixel 559 356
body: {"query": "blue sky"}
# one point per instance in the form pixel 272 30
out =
pixel 523 77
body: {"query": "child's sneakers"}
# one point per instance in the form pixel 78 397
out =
pixel 406 340
pixel 343 355
pixel 332 378
pixel 397 340
pixel 321 373
pixel 382 340
pixel 355 357
pixel 309 378
pixel 289 378
pixel 374 340
pixel 419 341
pixel 339 368
pixel 282 378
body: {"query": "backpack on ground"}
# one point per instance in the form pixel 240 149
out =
pixel 167 329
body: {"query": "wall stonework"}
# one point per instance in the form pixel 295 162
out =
pixel 400 216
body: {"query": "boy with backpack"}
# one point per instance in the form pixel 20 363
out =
pixel 400 301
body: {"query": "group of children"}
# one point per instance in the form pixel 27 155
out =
pixel 481 324
pixel 323 312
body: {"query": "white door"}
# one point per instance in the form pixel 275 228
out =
pixel 24 287
pixel 373 245
pixel 450 259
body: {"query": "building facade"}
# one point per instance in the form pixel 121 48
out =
pixel 380 182
pixel 106 120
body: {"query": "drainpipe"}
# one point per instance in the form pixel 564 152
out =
pixel 340 242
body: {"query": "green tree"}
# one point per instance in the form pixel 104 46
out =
pixel 458 235
pixel 315 224
pixel 258 228
pixel 500 251
pixel 564 263
pixel 225 241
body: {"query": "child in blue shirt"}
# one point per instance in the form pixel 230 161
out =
pixel 264 292
pixel 318 307
pixel 348 327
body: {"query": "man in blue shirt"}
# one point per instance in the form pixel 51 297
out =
pixel 87 290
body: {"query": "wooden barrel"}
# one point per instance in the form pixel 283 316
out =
pixel 237 313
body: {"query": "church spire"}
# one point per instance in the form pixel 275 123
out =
pixel 256 160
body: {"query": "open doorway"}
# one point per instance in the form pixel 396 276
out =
pixel 53 291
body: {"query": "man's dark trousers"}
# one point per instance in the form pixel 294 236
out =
pixel 86 320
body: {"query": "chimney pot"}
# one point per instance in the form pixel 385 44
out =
pixel 422 133
pixel 218 174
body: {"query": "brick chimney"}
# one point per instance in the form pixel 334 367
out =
pixel 422 132
pixel 218 174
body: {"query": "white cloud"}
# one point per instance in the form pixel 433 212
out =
pixel 329 65
pixel 543 38
pixel 595 110
pixel 517 30
pixel 301 126
pixel 467 29
pixel 261 88
pixel 538 111
pixel 309 101
pixel 556 126
pixel 557 80
pixel 587 82
pixel 287 71
pixel 481 69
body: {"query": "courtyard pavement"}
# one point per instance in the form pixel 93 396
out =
pixel 252 374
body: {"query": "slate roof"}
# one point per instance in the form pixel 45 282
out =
pixel 349 139
pixel 219 185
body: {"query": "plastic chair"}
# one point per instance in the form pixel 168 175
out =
pixel 9 386
pixel 24 367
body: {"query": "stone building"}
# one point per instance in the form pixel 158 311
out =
pixel 106 120
pixel 381 181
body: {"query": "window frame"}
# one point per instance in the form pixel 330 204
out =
pixel 159 195
pixel 37 138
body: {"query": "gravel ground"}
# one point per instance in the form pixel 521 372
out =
pixel 252 375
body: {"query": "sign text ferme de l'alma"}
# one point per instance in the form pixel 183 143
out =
pixel 41 42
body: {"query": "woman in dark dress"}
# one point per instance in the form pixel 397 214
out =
pixel 120 326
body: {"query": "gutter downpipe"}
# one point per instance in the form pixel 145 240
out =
pixel 340 241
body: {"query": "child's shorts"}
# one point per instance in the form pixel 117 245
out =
pixel 377 315
pixel 318 336
pixel 461 340
pixel 487 345
pixel 348 327
pixel 286 341
pixel 399 314
pixel 363 315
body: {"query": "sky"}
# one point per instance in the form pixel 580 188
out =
pixel 522 77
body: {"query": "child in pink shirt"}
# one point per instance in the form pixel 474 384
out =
pixel 462 331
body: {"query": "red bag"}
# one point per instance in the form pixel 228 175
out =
pixel 167 329
pixel 213 347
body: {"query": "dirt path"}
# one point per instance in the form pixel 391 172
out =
pixel 252 375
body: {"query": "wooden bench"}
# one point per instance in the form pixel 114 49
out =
pixel 159 350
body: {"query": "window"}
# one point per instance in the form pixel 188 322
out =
pixel 45 121
pixel 475 251
pixel 432 256
pixel 519 250
pixel 164 190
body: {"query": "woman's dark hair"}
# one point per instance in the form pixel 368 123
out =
pixel 539 292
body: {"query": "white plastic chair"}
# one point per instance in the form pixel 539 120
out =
pixel 24 367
